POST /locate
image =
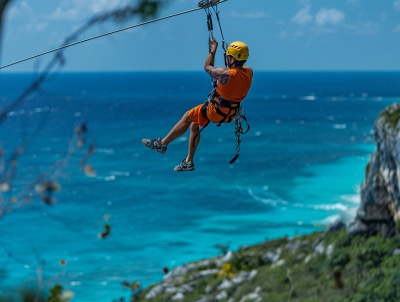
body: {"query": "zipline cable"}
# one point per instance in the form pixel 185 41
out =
pixel 103 35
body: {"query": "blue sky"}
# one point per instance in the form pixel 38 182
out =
pixel 281 34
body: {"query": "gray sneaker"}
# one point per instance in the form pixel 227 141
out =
pixel 185 166
pixel 155 144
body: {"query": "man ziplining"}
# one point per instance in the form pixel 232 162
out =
pixel 233 84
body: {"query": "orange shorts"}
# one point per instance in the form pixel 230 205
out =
pixel 198 118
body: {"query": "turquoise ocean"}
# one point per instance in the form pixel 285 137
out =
pixel 300 168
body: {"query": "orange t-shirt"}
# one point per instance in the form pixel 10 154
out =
pixel 238 85
pixel 235 89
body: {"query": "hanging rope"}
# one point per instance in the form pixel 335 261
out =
pixel 209 5
pixel 109 33
pixel 224 44
pixel 240 115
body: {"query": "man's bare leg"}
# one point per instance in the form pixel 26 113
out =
pixel 194 140
pixel 179 129
pixel 160 145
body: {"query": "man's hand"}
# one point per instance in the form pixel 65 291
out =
pixel 220 74
pixel 213 44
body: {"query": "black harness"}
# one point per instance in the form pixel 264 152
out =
pixel 222 103
pixel 236 113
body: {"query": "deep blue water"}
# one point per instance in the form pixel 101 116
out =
pixel 300 168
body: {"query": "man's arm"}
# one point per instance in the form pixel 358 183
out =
pixel 220 74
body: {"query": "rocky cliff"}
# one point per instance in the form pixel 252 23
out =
pixel 380 193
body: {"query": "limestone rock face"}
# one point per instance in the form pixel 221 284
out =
pixel 380 191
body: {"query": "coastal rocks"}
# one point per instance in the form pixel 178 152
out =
pixel 245 275
pixel 182 281
pixel 253 297
pixel 380 192
pixel 336 226
pixel 271 257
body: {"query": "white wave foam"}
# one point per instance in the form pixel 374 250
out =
pixel 106 151
pixel 330 207
pixel 326 207
pixel 339 126
pixel 274 201
pixel 16 113
pixel 109 178
pixel 308 98
pixel 327 221
pixel 75 283
pixel 351 198
pixel 346 212
pixel 120 173
pixel 41 109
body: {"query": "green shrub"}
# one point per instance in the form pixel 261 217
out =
pixel 339 259
pixel 391 117
pixel 372 253
pixel 245 262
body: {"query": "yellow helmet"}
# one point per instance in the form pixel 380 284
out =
pixel 238 50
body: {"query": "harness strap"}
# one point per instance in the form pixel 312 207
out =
pixel 204 110
pixel 225 116
pixel 238 116
pixel 232 105
pixel 226 103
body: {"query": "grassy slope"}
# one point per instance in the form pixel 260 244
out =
pixel 340 269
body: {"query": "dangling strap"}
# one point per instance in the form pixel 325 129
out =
pixel 240 114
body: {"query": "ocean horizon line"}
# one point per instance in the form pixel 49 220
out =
pixel 202 71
